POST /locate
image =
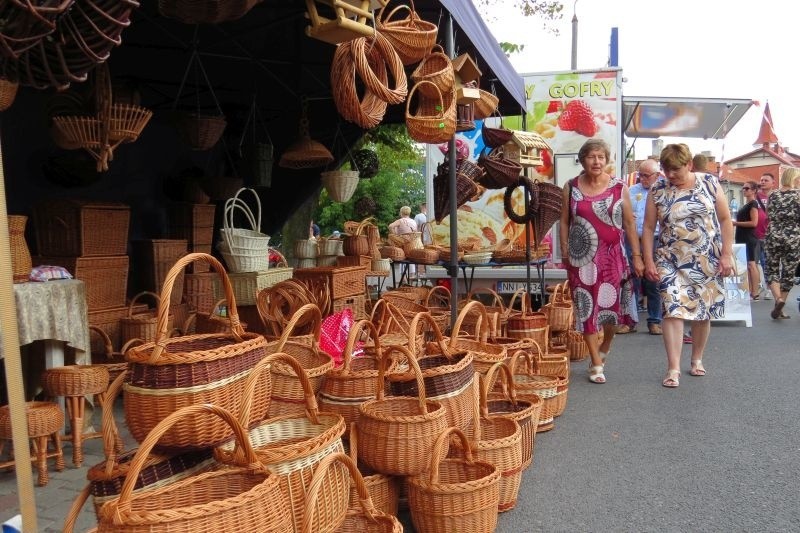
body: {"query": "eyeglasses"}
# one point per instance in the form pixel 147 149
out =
pixel 643 175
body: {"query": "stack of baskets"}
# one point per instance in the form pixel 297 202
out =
pixel 244 250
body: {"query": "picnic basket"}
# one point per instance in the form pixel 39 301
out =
pixel 288 394
pixel 412 37
pixel 361 517
pixel 292 445
pixel 383 489
pixel 245 497
pixel 497 441
pixel 142 325
pixel 175 372
pixel 455 494
pixel 448 375
pixel 397 432
pixel 353 383
pixel 505 404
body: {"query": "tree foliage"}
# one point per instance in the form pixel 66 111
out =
pixel 549 11
pixel 399 182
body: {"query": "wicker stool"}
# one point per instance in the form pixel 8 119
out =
pixel 45 420
pixel 74 383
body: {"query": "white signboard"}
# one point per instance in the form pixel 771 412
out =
pixel 737 291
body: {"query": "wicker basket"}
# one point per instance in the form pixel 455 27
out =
pixel 393 253
pixel 341 281
pixel 383 489
pixel 486 105
pixel 8 92
pixel 340 184
pixel 397 433
pixel 485 353
pixel 78 228
pixel 244 250
pixel 559 311
pixel 246 496
pixel 498 441
pixel 292 445
pixel 437 68
pixel 363 52
pixel 455 494
pixel 412 37
pixel 21 262
pixel 152 259
pixel 175 372
pixel 200 132
pixel 505 404
pixel 288 392
pixel 431 123
pixel 495 137
pixel 142 325
pixel 361 517
pixel 112 360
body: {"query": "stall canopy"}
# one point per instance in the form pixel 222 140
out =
pixel 705 118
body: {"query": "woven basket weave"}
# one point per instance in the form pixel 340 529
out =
pixel 412 37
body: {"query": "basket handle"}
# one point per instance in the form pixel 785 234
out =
pixel 106 340
pixel 235 203
pixel 75 509
pixel 482 327
pixel 437 333
pixel 265 366
pixel 334 460
pixel 109 429
pixel 522 294
pixel 409 20
pixel 488 383
pixel 412 362
pixel 438 288
pixel 496 299
pixel 258 203
pixel 316 316
pixel 355 332
pixel 135 298
pixel 123 503
pixel 162 333
pixel 515 360
pixel 439 451
pixel 353 439
pixel 438 91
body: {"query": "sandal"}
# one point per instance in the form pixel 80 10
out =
pixel 596 374
pixel 776 311
pixel 697 368
pixel 673 379
pixel 783 315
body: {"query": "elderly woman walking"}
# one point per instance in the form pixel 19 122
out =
pixel 693 253
pixel 591 233
pixel 783 240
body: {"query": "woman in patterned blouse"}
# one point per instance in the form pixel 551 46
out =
pixel 783 240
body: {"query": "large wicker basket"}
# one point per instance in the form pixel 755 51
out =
pixel 171 373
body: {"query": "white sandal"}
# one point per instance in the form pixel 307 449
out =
pixel 596 374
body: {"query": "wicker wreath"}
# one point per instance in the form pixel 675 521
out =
pixel 528 186
pixel 390 59
pixel 368 110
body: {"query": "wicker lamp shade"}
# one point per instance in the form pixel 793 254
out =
pixel 8 92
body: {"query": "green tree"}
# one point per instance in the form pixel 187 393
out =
pixel 548 10
pixel 400 181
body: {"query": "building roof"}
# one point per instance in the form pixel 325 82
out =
pixel 530 139
pixel 766 134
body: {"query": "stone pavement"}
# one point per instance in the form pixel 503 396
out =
pixel 719 453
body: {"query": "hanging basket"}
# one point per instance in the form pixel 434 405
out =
pixel 340 184
pixel 257 160
pixel 25 24
pixel 8 92
pixel 200 131
pixel 412 37
pixel 486 105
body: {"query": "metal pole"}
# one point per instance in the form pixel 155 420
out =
pixel 574 58
pixel 452 267
pixel 527 224
pixel 14 381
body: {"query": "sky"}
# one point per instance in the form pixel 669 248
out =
pixel 700 48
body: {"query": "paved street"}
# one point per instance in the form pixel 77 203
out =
pixel 720 453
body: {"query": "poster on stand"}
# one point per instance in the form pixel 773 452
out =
pixel 737 291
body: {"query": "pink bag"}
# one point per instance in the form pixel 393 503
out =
pixel 333 337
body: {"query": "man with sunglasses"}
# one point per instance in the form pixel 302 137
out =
pixel 648 175
pixel 765 188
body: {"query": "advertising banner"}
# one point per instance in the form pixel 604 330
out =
pixel 565 109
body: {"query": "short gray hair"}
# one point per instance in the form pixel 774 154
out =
pixel 592 145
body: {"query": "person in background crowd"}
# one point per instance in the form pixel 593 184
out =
pixel 693 254
pixel 313 231
pixel 598 207
pixel 766 184
pixel 783 240
pixel 404 224
pixel 745 224
pixel 421 219
pixel 648 175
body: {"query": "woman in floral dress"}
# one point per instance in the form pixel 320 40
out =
pixel 694 252
pixel 783 240
pixel 598 209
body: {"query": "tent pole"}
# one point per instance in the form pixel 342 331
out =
pixel 13 364
pixel 527 198
pixel 452 268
